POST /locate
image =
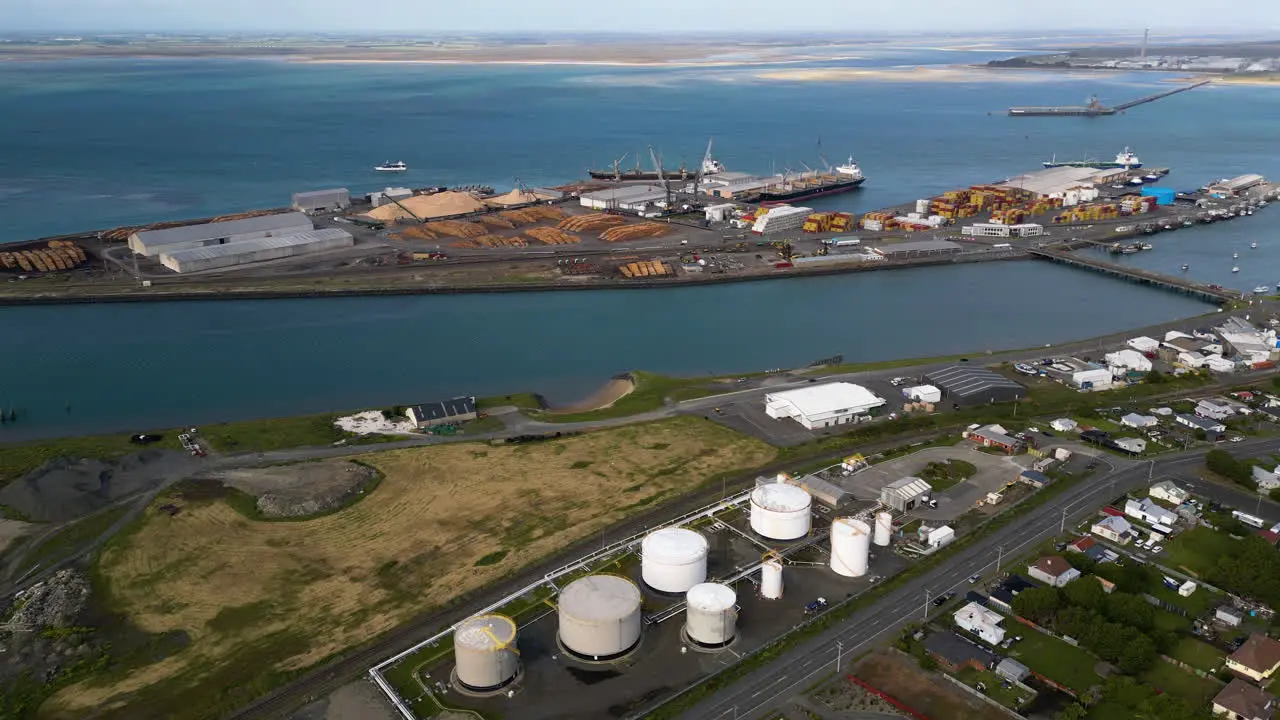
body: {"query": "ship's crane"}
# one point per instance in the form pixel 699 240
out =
pixel 702 167
pixel 825 163
pixel 617 166
pixel 666 186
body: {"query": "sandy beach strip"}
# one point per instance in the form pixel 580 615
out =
pixel 911 73
pixel 612 392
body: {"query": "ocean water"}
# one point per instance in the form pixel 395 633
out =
pixel 92 144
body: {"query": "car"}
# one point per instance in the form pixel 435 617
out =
pixel 816 606
pixel 933 503
pixel 1236 438
pixel 1157 549
pixel 974 578
pixel 1046 433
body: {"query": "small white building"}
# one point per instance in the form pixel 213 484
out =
pixel 1188 588
pixel 1267 480
pixel 981 621
pixel 1092 378
pixel 1149 512
pixel 1169 491
pixel 1133 445
pixel 1126 360
pixel 904 494
pixel 1229 615
pixel 1113 528
pixel 1053 570
pixel 1143 344
pixel 923 393
pixel 936 537
pixel 1134 420
pixel 819 406
pixel 322 200
pixel 1064 425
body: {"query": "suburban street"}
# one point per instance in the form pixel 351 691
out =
pixel 754 695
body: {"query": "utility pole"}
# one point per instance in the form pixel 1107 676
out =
pixel 999 557
pixel 1062 527
pixel 839 652
pixel 926 605
pixel 1151 469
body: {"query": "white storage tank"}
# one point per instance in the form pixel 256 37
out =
pixel 673 559
pixel 599 617
pixel 711 615
pixel 850 546
pixel 780 511
pixel 484 647
pixel 884 529
pixel 771 579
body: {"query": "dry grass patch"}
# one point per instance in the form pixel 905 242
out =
pixel 419 540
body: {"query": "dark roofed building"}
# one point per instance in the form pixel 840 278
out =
pixel 954 652
pixel 457 410
pixel 974 385
pixel 1241 701
pixel 1258 658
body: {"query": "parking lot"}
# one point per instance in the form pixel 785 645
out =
pixel 994 472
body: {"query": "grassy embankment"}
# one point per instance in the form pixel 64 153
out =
pixel 71 538
pixel 278 597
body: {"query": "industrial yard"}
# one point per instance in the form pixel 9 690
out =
pixel 624 626
pixel 330 582
pixel 602 234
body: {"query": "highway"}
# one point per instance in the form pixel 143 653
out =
pixel 756 694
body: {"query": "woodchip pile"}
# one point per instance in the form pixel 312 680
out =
pixel 60 255
pixel 416 232
pixel 590 223
pixel 649 268
pixel 442 204
pixel 551 236
pixel 491 241
pixel 496 221
pixel 525 216
pixel 623 233
pixel 456 228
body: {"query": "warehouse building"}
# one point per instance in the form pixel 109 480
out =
pixel 258 250
pixel 447 412
pixel 153 242
pixel 968 386
pixel 322 200
pixel 1236 185
pixel 916 249
pixel 819 406
pixel 378 198
pixel 1073 185
pixel 905 494
pixel 628 197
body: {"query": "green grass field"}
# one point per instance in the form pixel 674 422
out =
pixel 1197 551
pixel 1197 654
pixel 70 538
pixel 650 393
pixel 1065 664
pixel 1179 683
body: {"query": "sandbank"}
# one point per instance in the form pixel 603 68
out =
pixel 912 73
pixel 612 392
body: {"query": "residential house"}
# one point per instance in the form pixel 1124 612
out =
pixel 997 437
pixel 1108 587
pixel 1213 410
pixel 1012 670
pixel 1267 480
pixel 955 653
pixel 1212 428
pixel 1053 570
pixel 1257 659
pixel 1064 424
pixel 1170 492
pixel 1149 512
pixel 1241 701
pixel 1082 544
pixel 1115 529
pixel 1134 420
pixel 982 622
pixel 1134 446
pixel 1002 596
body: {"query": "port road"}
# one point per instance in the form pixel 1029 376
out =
pixel 759 692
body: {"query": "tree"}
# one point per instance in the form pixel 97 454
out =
pixel 1037 604
pixel 1130 610
pixel 1274 495
pixel 1138 653
pixel 1074 711
pixel 1222 463
pixel 1086 592
pixel 1155 377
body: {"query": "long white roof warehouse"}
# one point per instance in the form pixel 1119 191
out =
pixel 256 250
pixel 153 242
pixel 819 406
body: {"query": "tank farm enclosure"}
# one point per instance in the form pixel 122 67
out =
pixel 641 619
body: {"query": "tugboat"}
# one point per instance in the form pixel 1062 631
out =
pixel 1235 269
pixel 1186 266
pixel 1253 246
pixel 1151 177
pixel 397 166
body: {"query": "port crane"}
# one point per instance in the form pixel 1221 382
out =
pixel 617 166
pixel 706 160
pixel 666 186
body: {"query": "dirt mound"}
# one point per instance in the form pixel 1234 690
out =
pixel 65 489
pixel 303 489
pixel 520 197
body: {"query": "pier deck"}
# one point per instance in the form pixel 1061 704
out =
pixel 1142 277
pixel 1152 98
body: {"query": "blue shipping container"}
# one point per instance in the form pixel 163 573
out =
pixel 1163 196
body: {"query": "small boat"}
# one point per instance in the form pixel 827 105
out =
pixel 1117 186
pixel 1187 223
pixel 397 166
pixel 1135 181
pixel 1253 246
pixel 1151 177
pixel 1186 266
pixel 1235 256
pixel 1261 290
pixel 1146 246
pixel 1235 269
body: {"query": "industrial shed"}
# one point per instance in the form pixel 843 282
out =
pixel 1056 182
pixel 974 385
pixel 903 495
pixel 257 250
pixel 819 406
pixel 322 200
pixel 153 242
pixel 917 248
pixel 622 198
pixel 460 409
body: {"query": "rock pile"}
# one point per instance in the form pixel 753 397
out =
pixel 52 603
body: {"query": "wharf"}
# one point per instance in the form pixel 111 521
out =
pixel 1096 109
pixel 1143 277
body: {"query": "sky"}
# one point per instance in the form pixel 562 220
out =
pixel 573 16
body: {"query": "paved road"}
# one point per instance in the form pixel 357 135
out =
pixel 753 696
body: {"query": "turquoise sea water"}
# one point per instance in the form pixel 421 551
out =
pixel 89 144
